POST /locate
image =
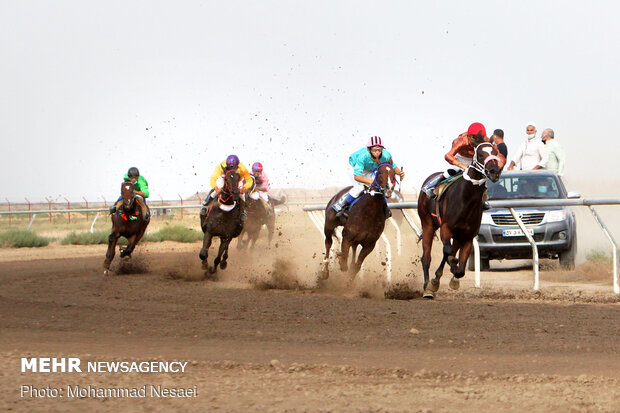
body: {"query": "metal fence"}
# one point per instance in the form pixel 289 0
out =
pixel 316 217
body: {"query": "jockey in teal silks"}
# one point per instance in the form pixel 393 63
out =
pixel 364 162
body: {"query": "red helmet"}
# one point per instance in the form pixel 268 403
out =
pixel 257 167
pixel 477 128
pixel 374 141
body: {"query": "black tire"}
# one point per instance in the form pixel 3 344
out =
pixel 484 264
pixel 567 258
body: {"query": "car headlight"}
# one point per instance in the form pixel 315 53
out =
pixel 554 216
pixel 486 218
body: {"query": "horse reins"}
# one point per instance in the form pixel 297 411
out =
pixel 226 189
pixel 374 182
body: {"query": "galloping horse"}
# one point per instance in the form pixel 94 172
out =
pixel 365 223
pixel 457 212
pixel 129 222
pixel 224 222
pixel 257 217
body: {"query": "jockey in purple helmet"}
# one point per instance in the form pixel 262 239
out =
pixel 217 178
pixel 364 161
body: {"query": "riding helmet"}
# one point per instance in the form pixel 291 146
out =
pixel 257 167
pixel 232 162
pixel 374 141
pixel 477 128
pixel 133 172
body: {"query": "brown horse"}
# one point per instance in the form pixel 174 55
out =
pixel 366 221
pixel 257 217
pixel 457 213
pixel 129 222
pixel 225 221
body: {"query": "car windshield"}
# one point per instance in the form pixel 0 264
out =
pixel 524 187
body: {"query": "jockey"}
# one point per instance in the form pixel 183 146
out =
pixel 364 161
pixel 141 189
pixel 217 179
pixel 262 187
pixel 461 156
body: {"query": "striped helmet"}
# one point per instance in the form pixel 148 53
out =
pixel 375 141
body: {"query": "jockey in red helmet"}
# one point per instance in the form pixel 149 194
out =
pixel 461 156
pixel 262 187
pixel 364 161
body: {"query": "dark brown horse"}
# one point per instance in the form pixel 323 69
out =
pixel 457 213
pixel 366 221
pixel 128 221
pixel 258 216
pixel 224 220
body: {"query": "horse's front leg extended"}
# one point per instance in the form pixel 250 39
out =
pixel 204 251
pixel 131 244
pixel 344 253
pixel 109 256
pixel 446 250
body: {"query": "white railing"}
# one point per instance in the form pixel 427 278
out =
pixel 511 204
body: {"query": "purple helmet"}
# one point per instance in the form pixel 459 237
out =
pixel 232 162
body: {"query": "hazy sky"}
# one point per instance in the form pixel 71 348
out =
pixel 92 88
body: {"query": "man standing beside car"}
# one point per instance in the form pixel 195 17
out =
pixel 556 153
pixel 498 139
pixel 532 153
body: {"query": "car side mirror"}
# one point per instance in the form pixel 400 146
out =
pixel 573 195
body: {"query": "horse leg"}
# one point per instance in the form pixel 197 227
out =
pixel 109 256
pixel 366 249
pixel 204 251
pixel 446 236
pixel 427 243
pixel 329 234
pixel 224 247
pixel 131 244
pixel 460 269
pixel 344 253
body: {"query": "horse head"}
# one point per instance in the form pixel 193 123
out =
pixel 231 184
pixel 128 195
pixel 487 162
pixel 385 179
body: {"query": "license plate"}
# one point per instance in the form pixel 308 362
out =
pixel 516 232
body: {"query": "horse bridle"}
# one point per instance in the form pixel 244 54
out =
pixel 478 166
pixel 374 183
pixel 226 188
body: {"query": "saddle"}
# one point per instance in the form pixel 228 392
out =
pixel 441 188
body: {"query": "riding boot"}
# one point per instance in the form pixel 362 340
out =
pixel 429 187
pixel 115 207
pixel 208 199
pixel 342 206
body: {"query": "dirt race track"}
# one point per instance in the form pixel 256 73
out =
pixel 298 347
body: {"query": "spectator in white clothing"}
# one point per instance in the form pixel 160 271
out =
pixel 532 153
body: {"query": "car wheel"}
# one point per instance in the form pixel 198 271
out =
pixel 567 258
pixel 484 264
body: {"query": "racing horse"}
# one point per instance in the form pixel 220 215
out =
pixel 129 222
pixel 365 223
pixel 457 213
pixel 257 217
pixel 224 219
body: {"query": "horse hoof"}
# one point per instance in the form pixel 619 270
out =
pixel 433 286
pixel 106 273
pixel 212 270
pixel 202 255
pixel 455 284
pixel 428 294
pixel 323 275
pixel 223 265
